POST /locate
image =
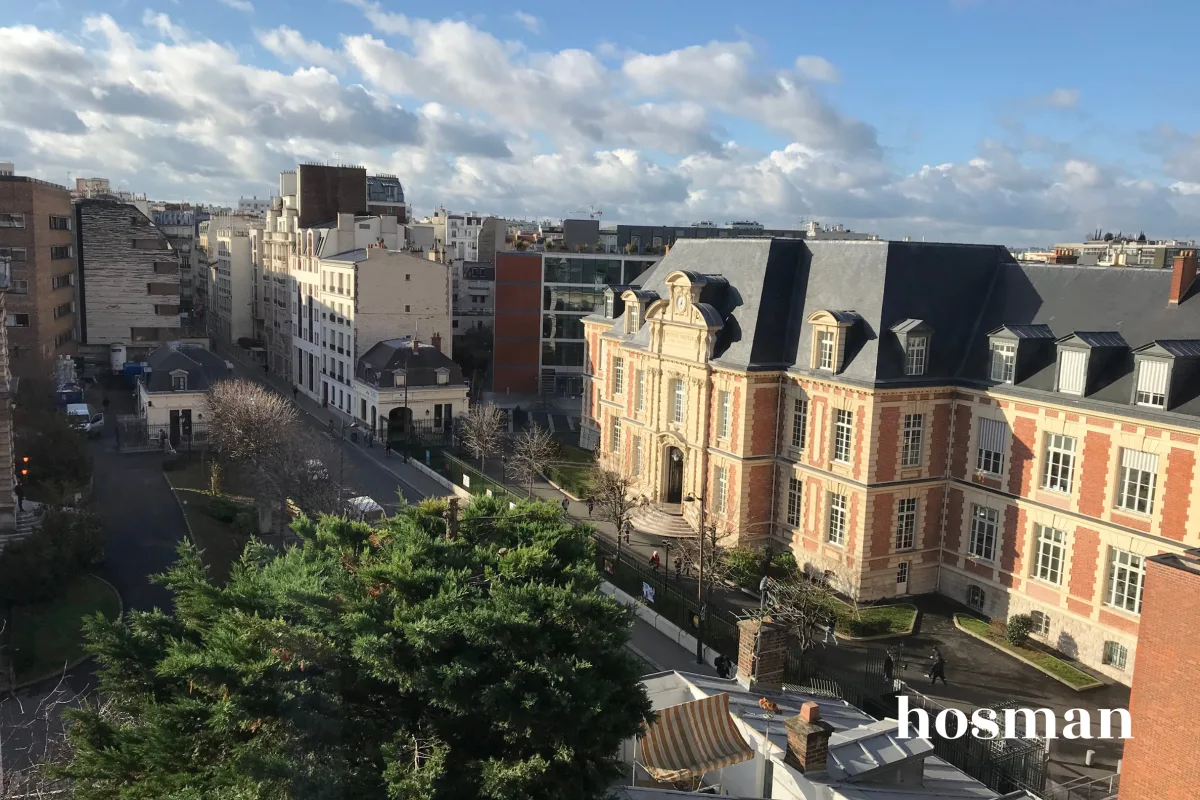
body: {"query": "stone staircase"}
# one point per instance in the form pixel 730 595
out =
pixel 656 521
pixel 28 521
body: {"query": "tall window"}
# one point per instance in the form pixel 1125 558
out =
pixel 906 523
pixel 616 435
pixel 1004 361
pixel 1152 383
pixel 634 318
pixel 677 400
pixel 843 426
pixel 179 383
pixel 1115 654
pixel 1049 562
pixel 725 411
pixel 1139 472
pixel 914 359
pixel 799 422
pixel 983 532
pixel 795 496
pixel 1126 575
pixel 639 389
pixel 608 306
pixel 825 349
pixel 721 487
pixel 914 435
pixel 1060 462
pixel 993 441
pixel 618 375
pixel 1072 371
pixel 637 455
pixel 1041 623
pixel 837 518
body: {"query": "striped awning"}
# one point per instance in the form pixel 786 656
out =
pixel 693 738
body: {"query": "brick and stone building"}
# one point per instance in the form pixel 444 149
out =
pixel 36 240
pixel 922 417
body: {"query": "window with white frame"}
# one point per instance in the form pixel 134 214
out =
pixel 721 488
pixel 993 442
pixel 1139 473
pixel 1152 383
pixel 906 523
pixel 179 383
pixel 983 532
pixel 677 400
pixel 615 440
pixel 1115 655
pixel 794 497
pixel 902 572
pixel 837 519
pixel 723 405
pixel 634 318
pixel 799 422
pixel 975 597
pixel 637 455
pixel 914 440
pixel 1072 371
pixel 608 306
pixel 1041 623
pixel 914 359
pixel 843 427
pixel 618 375
pixel 1004 361
pixel 1060 463
pixel 639 390
pixel 825 349
pixel 1048 561
pixel 1126 576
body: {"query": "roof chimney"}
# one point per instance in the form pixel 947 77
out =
pixel 807 739
pixel 1183 276
pixel 762 652
pixel 436 341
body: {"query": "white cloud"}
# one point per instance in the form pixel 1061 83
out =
pixel 1062 98
pixel 531 23
pixel 289 46
pixel 817 68
pixel 245 6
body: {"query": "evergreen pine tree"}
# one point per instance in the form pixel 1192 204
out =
pixel 371 663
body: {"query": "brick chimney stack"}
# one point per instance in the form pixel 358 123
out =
pixel 1183 275
pixel 807 739
pixel 762 652
pixel 436 341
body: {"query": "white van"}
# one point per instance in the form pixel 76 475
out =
pixel 82 418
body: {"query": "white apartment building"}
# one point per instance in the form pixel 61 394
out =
pixel 1154 254
pixel 254 205
pixel 225 243
pixel 355 288
pixel 271 248
pixel 457 235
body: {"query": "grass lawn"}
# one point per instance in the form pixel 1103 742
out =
pixel 47 636
pixel 1047 661
pixel 576 455
pixel 575 478
pixel 220 544
pixel 876 620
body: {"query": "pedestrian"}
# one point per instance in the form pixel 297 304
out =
pixel 387 448
pixel 938 669
pixel 688 564
pixel 831 631
pixel 591 503
pixel 295 392
pixel 566 505
pixel 721 664
pixel 678 568
pixel 889 667
pixel 105 403
pixel 655 561
pixel 20 490
pixel 628 528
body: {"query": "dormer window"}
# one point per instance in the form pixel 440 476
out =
pixel 913 335
pixel 1072 370
pixel 825 349
pixel 830 331
pixel 608 305
pixel 443 376
pixel 1152 380
pixel 1083 358
pixel 633 318
pixel 398 377
pixel 1004 361
pixel 179 382
pixel 914 359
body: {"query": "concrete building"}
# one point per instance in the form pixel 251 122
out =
pixel 7 168
pixel 926 417
pixel 654 239
pixel 254 205
pixel 357 289
pixel 1125 252
pixel 128 278
pixel 171 394
pixel 385 197
pixel 91 187
pixel 36 239
pixel 457 235
pixel 472 295
pixel 401 383
pixel 179 225
pixel 491 240
pixel 227 252
pixel 540 301
pixel 836 231
pixel 271 250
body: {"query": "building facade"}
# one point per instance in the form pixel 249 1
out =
pixel 36 238
pixel 1127 252
pixel 541 300
pixel 1007 448
pixel 401 383
pixel 385 197
pixel 179 225
pixel 227 252
pixel 172 395
pixel 128 277
pixel 472 295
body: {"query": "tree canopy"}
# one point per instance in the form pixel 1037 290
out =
pixel 368 663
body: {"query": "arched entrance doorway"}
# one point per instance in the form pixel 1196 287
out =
pixel 674 482
pixel 399 424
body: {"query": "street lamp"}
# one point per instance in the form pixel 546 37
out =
pixel 700 609
pixel 666 545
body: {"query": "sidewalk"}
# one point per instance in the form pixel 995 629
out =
pixel 661 653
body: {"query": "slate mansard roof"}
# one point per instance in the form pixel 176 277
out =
pixel 203 367
pixel 763 292
pixel 420 366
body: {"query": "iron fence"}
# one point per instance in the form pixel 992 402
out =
pixel 134 434
pixel 1085 788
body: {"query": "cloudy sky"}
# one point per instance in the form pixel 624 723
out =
pixel 968 120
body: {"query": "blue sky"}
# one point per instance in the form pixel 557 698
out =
pixel 972 120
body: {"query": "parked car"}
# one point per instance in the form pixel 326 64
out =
pixel 84 419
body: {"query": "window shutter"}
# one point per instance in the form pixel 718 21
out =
pixel 1136 459
pixel 993 435
pixel 1152 377
pixel 1072 371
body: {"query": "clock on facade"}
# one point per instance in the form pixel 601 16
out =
pixel 679 302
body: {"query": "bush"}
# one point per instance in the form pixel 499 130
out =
pixel 743 565
pixel 38 568
pixel 1018 629
pixel 785 563
pixel 246 522
pixel 222 509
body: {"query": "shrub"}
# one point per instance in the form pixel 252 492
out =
pixel 743 565
pixel 246 522
pixel 38 568
pixel 785 563
pixel 867 627
pixel 1018 629
pixel 222 509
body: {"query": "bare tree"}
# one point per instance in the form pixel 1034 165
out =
pixel 246 421
pixel 533 450
pixel 613 493
pixel 802 604
pixel 483 432
pixel 298 471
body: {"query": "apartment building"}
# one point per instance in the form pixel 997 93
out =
pixel 541 300
pixel 226 250
pixel 457 235
pixel 472 295
pixel 128 278
pixel 926 417
pixel 179 225
pixel 37 242
pixel 385 197
pixel 401 383
pixel 1123 252
pixel 8 500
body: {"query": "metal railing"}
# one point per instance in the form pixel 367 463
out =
pixel 1085 788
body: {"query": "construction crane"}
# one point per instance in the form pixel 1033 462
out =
pixel 593 212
